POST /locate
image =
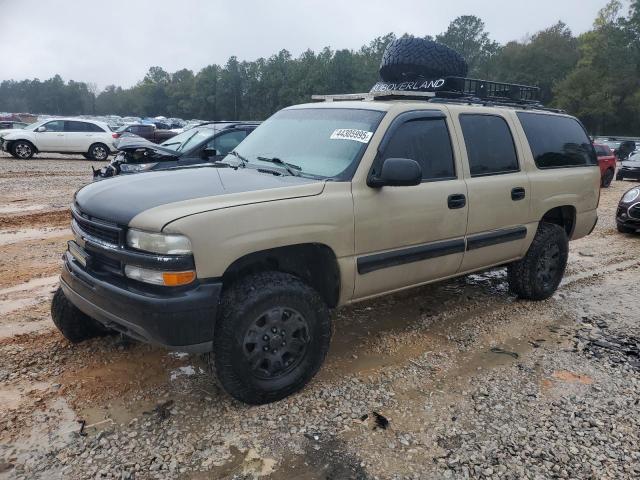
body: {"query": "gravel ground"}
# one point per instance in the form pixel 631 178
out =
pixel 453 380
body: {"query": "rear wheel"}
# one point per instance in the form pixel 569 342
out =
pixel 607 178
pixel 538 274
pixel 75 325
pixel 98 152
pixel 22 150
pixel 271 337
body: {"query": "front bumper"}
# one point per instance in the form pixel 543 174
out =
pixel 179 319
pixel 634 174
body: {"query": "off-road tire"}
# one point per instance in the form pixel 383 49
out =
pixel 407 59
pixel 624 229
pixel 22 150
pixel 98 152
pixel 244 302
pixel 525 275
pixel 607 178
pixel 74 325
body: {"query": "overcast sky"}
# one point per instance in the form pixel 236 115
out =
pixel 116 41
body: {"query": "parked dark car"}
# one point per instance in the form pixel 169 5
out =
pixel 630 168
pixel 207 142
pixel 628 213
pixel 148 131
pixel 626 148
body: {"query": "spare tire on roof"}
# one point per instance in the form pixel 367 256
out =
pixel 407 59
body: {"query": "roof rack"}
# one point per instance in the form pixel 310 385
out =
pixel 459 90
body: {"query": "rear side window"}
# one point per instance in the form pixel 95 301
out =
pixel 602 150
pixel 72 126
pixel 489 143
pixel 427 142
pixel 557 142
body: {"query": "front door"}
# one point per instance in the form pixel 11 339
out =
pixel 499 191
pixel 52 139
pixel 409 235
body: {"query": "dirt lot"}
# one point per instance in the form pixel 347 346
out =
pixel 472 382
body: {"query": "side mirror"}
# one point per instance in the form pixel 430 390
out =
pixel 41 129
pixel 397 172
pixel 209 153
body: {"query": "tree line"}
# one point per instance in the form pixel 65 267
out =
pixel 595 76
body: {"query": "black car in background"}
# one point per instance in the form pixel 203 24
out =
pixel 628 213
pixel 207 142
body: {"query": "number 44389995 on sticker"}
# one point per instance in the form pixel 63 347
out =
pixel 361 136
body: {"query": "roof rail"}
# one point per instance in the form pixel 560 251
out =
pixel 459 90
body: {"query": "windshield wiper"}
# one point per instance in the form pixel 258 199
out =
pixel 186 141
pixel 289 167
pixel 243 161
pixel 171 143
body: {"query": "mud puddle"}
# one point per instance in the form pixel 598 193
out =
pixel 27 294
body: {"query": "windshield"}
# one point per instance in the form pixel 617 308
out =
pixel 35 125
pixel 188 138
pixel 635 157
pixel 319 142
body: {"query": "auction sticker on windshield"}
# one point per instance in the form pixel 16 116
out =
pixel 361 136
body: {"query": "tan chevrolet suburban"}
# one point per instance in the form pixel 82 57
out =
pixel 325 204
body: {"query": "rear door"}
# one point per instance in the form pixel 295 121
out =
pixel 77 136
pixel 52 139
pixel 413 234
pixel 498 190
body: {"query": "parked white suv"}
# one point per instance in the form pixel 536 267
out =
pixel 94 140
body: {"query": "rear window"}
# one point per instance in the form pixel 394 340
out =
pixel 557 142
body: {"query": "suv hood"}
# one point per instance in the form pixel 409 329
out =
pixel 185 192
pixel 631 163
pixel 130 146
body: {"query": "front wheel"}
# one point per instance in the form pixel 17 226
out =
pixel 607 178
pixel 98 152
pixel 74 325
pixel 538 274
pixel 22 150
pixel 271 337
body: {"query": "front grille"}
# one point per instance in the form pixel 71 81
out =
pixel 634 211
pixel 99 229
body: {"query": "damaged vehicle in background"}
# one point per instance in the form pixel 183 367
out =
pixel 148 131
pixel 208 142
pixel 630 168
pixel 628 213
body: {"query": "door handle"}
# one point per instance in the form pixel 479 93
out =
pixel 517 193
pixel 457 200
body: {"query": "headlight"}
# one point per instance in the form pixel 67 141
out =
pixel 631 195
pixel 170 244
pixel 137 167
pixel 156 277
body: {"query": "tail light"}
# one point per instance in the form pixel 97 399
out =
pixel 115 135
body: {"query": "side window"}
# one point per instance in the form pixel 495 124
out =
pixel 557 141
pixel 226 142
pixel 489 143
pixel 133 129
pixel 54 126
pixel 427 142
pixel 71 126
pixel 5 125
